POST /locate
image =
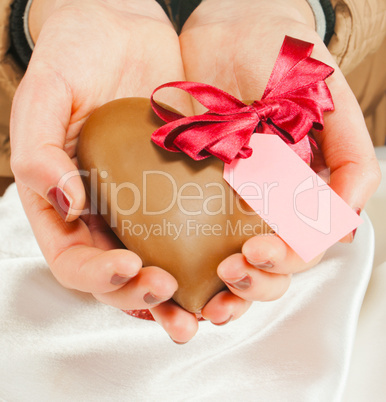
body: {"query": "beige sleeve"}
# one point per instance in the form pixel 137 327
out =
pixel 359 47
pixel 360 28
pixel 10 76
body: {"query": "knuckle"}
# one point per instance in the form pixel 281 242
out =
pixel 375 175
pixel 282 290
pixel 64 282
pixel 370 175
pixel 22 165
pixel 17 165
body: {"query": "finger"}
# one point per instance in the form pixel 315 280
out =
pixel 224 308
pixel 270 253
pixel 177 322
pixel 250 283
pixel 149 288
pixel 41 113
pixel 347 148
pixel 71 253
pixel 92 270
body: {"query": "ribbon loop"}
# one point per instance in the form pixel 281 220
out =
pixel 293 102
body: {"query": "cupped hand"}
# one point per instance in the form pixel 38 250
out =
pixel 233 46
pixel 88 53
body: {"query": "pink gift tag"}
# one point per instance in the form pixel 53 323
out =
pixel 302 209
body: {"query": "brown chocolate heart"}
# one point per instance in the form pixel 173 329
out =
pixel 174 212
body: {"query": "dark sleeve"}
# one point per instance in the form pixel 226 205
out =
pixel 182 10
pixel 20 48
pixel 22 51
pixel 330 20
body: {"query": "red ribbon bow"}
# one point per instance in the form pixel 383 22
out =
pixel 293 102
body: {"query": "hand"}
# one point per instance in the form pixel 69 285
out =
pixel 88 53
pixel 233 46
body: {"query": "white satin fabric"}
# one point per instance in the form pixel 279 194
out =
pixel 366 380
pixel 61 345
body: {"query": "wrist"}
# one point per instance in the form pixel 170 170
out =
pixel 41 10
pixel 272 12
pixel 296 10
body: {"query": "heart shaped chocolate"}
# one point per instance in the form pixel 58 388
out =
pixel 174 212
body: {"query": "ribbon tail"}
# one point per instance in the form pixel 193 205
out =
pixel 303 149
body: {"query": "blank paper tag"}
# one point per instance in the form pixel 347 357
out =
pixel 281 188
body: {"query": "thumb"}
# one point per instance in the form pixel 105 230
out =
pixel 40 118
pixel 347 149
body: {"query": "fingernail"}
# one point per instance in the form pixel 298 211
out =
pixel 223 323
pixel 60 201
pixel 358 211
pixel 149 298
pixel 119 280
pixel 243 284
pixel 261 265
